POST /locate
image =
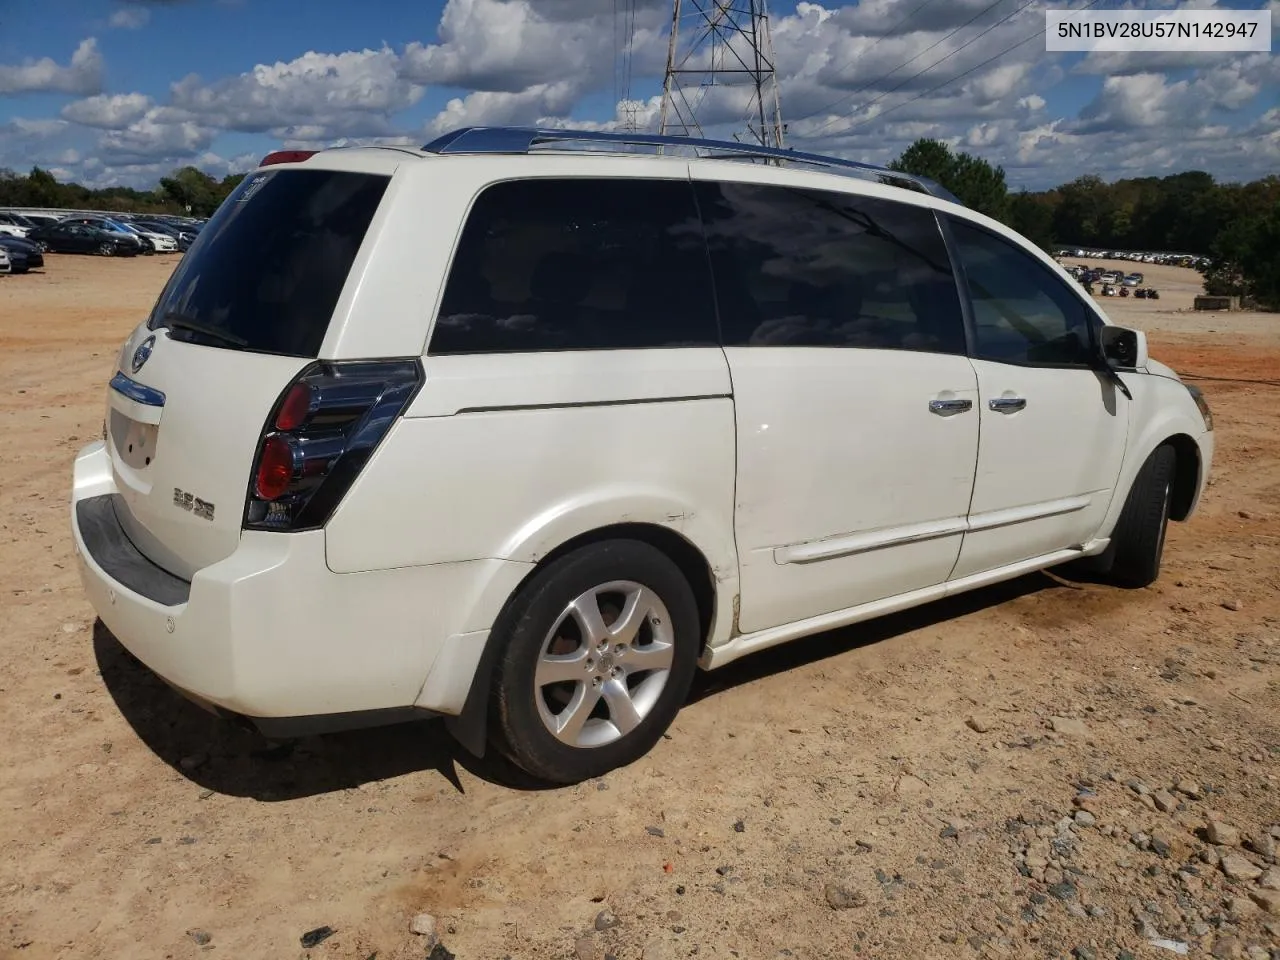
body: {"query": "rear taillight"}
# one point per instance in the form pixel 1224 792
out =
pixel 320 434
pixel 275 468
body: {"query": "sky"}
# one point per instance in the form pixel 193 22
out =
pixel 123 91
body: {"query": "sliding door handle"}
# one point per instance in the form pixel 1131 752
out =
pixel 1007 404
pixel 946 408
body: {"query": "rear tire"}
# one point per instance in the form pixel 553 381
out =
pixel 600 650
pixel 1137 543
pixel 106 250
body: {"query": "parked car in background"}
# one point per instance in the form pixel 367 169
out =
pixel 116 227
pixel 182 238
pixel 41 219
pixel 64 237
pixel 161 240
pixel 14 225
pixel 31 252
pixel 1133 280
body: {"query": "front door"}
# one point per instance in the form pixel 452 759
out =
pixel 1053 430
pixel 856 407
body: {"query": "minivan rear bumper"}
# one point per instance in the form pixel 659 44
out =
pixel 270 633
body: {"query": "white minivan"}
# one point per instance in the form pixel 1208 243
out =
pixel 523 428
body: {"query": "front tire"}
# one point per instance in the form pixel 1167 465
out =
pixel 1137 543
pixel 601 649
pixel 106 249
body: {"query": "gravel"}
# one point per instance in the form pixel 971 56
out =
pixel 313 938
pixel 424 925
pixel 1221 834
pixel 1189 788
pixel 1239 867
pixel 842 897
pixel 1068 726
pixel 1268 900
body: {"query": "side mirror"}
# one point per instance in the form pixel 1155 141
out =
pixel 1124 348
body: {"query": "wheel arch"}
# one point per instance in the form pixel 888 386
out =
pixel 1163 413
pixel 1186 475
pixel 470 727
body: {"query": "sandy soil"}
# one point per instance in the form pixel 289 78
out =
pixel 896 790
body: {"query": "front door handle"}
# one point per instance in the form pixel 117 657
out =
pixel 945 408
pixel 1007 404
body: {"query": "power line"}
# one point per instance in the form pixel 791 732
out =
pixel 617 54
pixel 631 40
pixel 961 76
pixel 731 48
pixel 902 83
pixel 871 83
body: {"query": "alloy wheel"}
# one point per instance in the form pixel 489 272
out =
pixel 604 664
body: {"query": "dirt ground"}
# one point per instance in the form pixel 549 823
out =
pixel 1021 772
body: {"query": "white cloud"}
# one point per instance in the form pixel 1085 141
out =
pixel 129 18
pixel 20 127
pixel 82 76
pixel 339 94
pixel 155 138
pixel 510 46
pixel 109 111
pixel 486 108
pixel 848 76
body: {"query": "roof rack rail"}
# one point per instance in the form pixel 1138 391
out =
pixel 475 140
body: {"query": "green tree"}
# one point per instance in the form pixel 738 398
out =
pixel 43 188
pixel 973 180
pixel 1246 259
pixel 1081 211
pixel 1032 216
pixel 192 189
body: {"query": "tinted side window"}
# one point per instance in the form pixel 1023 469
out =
pixel 1022 312
pixel 581 264
pixel 813 268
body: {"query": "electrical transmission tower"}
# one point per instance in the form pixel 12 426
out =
pixel 730 49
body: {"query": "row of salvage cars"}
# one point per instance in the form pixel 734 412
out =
pixel 25 238
pixel 1114 283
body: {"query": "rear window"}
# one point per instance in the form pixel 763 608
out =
pixel 267 269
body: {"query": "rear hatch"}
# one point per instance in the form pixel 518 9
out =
pixel 244 314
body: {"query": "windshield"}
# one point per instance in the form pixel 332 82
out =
pixel 266 272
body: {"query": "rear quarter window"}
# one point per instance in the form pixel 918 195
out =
pixel 266 271
pixel 580 264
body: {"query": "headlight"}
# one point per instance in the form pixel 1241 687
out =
pixel 1202 405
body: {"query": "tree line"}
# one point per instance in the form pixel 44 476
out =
pixel 1235 225
pixel 186 192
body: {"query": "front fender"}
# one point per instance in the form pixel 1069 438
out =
pixel 1163 410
